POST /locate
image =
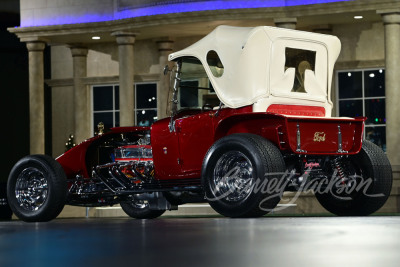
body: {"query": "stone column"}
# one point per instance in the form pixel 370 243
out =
pixel 81 94
pixel 287 23
pixel 125 41
pixel 164 49
pixel 36 96
pixel 391 21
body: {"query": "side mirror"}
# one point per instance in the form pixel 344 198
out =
pixel 166 69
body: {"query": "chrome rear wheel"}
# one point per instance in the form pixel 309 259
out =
pixel 233 176
pixel 232 168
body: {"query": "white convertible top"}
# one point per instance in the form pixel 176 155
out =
pixel 256 68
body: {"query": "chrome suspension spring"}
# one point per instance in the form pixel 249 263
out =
pixel 336 165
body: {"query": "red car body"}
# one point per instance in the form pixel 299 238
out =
pixel 180 154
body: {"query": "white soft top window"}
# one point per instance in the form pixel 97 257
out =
pixel 266 61
pixel 302 72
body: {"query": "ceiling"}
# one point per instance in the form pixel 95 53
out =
pixel 200 28
pixel 200 23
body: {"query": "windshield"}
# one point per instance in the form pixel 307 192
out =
pixel 195 91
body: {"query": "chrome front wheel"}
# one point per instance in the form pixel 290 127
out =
pixel 37 188
pixel 31 189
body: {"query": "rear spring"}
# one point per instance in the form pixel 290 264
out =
pixel 336 164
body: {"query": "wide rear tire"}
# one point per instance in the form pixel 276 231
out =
pixel 368 183
pixel 37 188
pixel 236 171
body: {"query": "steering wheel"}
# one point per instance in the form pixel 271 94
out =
pixel 207 107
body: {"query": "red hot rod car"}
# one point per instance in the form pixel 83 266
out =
pixel 250 119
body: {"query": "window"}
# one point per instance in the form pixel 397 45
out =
pixel 105 106
pixel 146 103
pixel 189 95
pixel 301 60
pixel 215 64
pixel 362 93
pixel 196 90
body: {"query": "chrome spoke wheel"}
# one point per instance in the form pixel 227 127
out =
pixel 235 169
pixel 31 189
pixel 37 188
pixel 233 177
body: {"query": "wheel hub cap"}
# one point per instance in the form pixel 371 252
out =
pixel 31 189
pixel 233 177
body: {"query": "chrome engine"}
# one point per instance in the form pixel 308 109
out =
pixel 130 168
pixel 135 162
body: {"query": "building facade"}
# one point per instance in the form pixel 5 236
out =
pixel 107 58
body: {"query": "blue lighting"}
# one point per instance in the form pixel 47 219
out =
pixel 50 18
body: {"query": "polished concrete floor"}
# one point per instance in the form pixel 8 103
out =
pixel 213 241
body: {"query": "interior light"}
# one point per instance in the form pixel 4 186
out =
pixel 358 17
pixel 143 112
pixel 96 37
pixel 380 71
pixel 372 75
pixel 349 74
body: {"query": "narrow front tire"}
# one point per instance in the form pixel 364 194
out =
pixel 37 188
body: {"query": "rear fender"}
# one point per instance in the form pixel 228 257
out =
pixel 267 125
